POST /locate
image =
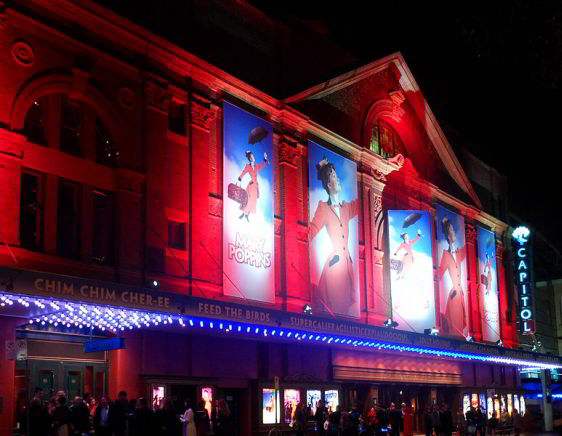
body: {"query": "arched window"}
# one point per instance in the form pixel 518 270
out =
pixel 106 153
pixel 385 141
pixel 72 118
pixel 77 124
pixel 34 124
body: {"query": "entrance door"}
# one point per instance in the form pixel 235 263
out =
pixel 232 398
pixel 74 384
pixel 46 382
pixel 181 393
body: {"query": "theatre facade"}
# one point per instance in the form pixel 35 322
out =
pixel 172 231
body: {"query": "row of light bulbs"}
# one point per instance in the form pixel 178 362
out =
pixel 112 319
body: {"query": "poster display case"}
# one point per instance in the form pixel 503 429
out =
pixel 291 398
pixel 277 406
pixel 270 406
pixel 158 393
pixel 312 398
pixel 331 398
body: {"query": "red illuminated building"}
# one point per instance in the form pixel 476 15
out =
pixel 111 187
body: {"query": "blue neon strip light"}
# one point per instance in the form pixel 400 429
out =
pixel 381 345
pixel 112 319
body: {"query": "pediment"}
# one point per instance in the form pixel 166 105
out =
pixel 386 89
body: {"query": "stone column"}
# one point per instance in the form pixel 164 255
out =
pixel 475 326
pixel 11 157
pixel 506 327
pixel 157 99
pixel 206 260
pixel 292 277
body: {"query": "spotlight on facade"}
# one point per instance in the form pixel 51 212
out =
pixel 469 339
pixel 155 284
pixel 499 343
pixel 307 309
pixel 390 323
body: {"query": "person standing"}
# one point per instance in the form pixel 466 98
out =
pixel 118 414
pixel 142 419
pixel 320 418
pixel 427 422
pixel 395 420
pixel 202 419
pixel 436 420
pixel 334 420
pixel 446 420
pixel 79 417
pixel 39 419
pixel 167 422
pixel 101 418
pixel 408 416
pixel 61 418
pixel 188 420
pixel 460 422
pixel 222 423
pixel 300 419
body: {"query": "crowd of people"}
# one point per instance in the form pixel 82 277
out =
pixel 124 417
pixel 438 420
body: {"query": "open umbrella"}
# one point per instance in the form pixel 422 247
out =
pixel 257 134
pixel 411 219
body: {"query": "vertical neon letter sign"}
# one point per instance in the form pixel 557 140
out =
pixel 523 277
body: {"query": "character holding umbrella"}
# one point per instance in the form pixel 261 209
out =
pixel 407 259
pixel 486 278
pixel 248 198
pixel 336 287
pixel 455 313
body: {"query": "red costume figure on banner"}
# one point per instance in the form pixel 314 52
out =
pixel 336 287
pixel 408 257
pixel 253 188
pixel 455 313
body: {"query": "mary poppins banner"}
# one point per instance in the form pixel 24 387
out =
pixel 334 249
pixel 488 287
pixel 247 206
pixel 411 269
pixel 451 258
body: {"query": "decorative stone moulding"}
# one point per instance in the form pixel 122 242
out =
pixel 288 154
pixel 201 115
pixel 22 53
pixel 126 98
pixel 157 96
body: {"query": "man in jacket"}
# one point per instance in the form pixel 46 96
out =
pixel 101 418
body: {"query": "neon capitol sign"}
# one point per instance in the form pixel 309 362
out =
pixel 523 278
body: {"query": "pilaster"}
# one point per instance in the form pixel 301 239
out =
pixel 293 284
pixel 475 326
pixel 207 264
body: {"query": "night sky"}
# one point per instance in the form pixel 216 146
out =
pixel 491 71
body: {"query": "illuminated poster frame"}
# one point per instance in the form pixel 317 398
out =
pixel 270 406
pixel 334 209
pixel 410 252
pixel 488 289
pixel 452 273
pixel 248 208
